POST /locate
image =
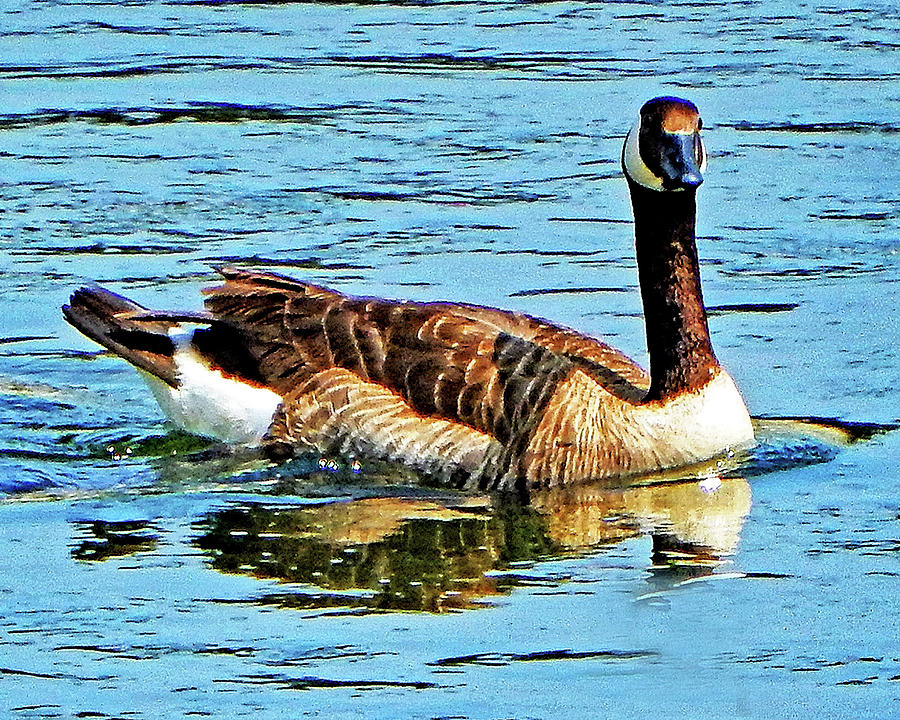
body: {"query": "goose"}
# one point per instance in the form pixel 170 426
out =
pixel 471 397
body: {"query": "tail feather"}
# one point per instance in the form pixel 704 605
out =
pixel 103 317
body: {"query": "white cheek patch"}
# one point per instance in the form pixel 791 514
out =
pixel 634 165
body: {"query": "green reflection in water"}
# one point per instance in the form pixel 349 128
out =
pixel 405 553
pixel 383 546
pixel 380 553
pixel 103 539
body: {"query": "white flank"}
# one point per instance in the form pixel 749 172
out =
pixel 208 403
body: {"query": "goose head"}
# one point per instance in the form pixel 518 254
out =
pixel 663 151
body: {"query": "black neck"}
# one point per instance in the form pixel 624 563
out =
pixel 681 355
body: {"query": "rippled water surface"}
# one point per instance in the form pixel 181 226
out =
pixel 463 151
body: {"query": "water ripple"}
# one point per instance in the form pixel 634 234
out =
pixel 855 127
pixel 215 112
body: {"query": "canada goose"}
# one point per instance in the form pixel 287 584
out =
pixel 476 397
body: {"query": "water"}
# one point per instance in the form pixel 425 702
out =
pixel 463 151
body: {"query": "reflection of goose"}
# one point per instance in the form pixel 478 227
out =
pixel 433 554
pixel 476 396
pixel 701 519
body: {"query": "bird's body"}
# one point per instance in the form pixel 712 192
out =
pixel 473 396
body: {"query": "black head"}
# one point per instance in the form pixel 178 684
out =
pixel 664 151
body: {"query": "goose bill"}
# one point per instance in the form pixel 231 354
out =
pixel 681 161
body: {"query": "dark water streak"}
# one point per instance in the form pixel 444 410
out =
pixel 196 112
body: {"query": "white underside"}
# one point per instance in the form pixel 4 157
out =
pixel 208 403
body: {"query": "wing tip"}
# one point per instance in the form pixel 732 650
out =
pixel 103 316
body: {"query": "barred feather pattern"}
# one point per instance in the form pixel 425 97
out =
pixel 337 412
pixel 458 391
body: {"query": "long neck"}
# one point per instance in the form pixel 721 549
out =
pixel 681 355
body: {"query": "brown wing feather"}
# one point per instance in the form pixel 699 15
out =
pixel 490 370
pixel 615 371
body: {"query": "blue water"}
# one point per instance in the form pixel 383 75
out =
pixel 463 151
